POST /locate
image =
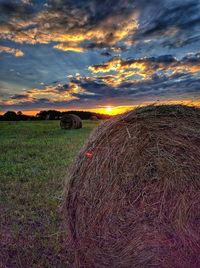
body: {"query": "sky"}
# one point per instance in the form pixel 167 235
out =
pixel 101 55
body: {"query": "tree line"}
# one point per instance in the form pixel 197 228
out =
pixel 50 115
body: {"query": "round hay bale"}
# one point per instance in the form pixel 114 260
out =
pixel 94 118
pixel 133 198
pixel 70 121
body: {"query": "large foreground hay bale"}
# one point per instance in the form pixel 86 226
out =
pixel 133 199
pixel 70 121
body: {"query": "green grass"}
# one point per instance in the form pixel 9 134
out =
pixel 34 157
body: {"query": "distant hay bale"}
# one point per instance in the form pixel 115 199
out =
pixel 70 121
pixel 94 118
pixel 133 198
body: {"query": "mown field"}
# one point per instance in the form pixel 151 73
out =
pixel 34 158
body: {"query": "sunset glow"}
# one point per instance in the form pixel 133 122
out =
pixel 119 109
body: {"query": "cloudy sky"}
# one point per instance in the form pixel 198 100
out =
pixel 90 54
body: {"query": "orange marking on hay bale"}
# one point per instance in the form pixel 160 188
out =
pixel 89 154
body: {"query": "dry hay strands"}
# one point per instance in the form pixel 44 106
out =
pixel 133 198
pixel 70 121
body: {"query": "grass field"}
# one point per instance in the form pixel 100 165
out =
pixel 33 164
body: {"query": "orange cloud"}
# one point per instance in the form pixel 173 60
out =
pixel 142 69
pixel 118 65
pixel 69 47
pixel 47 27
pixel 50 93
pixel 13 51
pixel 56 93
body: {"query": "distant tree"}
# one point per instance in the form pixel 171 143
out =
pixel 48 115
pixel 56 115
pixel 19 113
pixel 53 114
pixel 23 117
pixel 41 115
pixel 10 116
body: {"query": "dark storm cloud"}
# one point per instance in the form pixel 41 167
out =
pixel 179 83
pixel 17 9
pixel 19 96
pixel 10 8
pixel 176 23
pixel 192 58
pixel 90 24
pixel 184 15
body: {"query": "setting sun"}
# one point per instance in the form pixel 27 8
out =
pixel 109 109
